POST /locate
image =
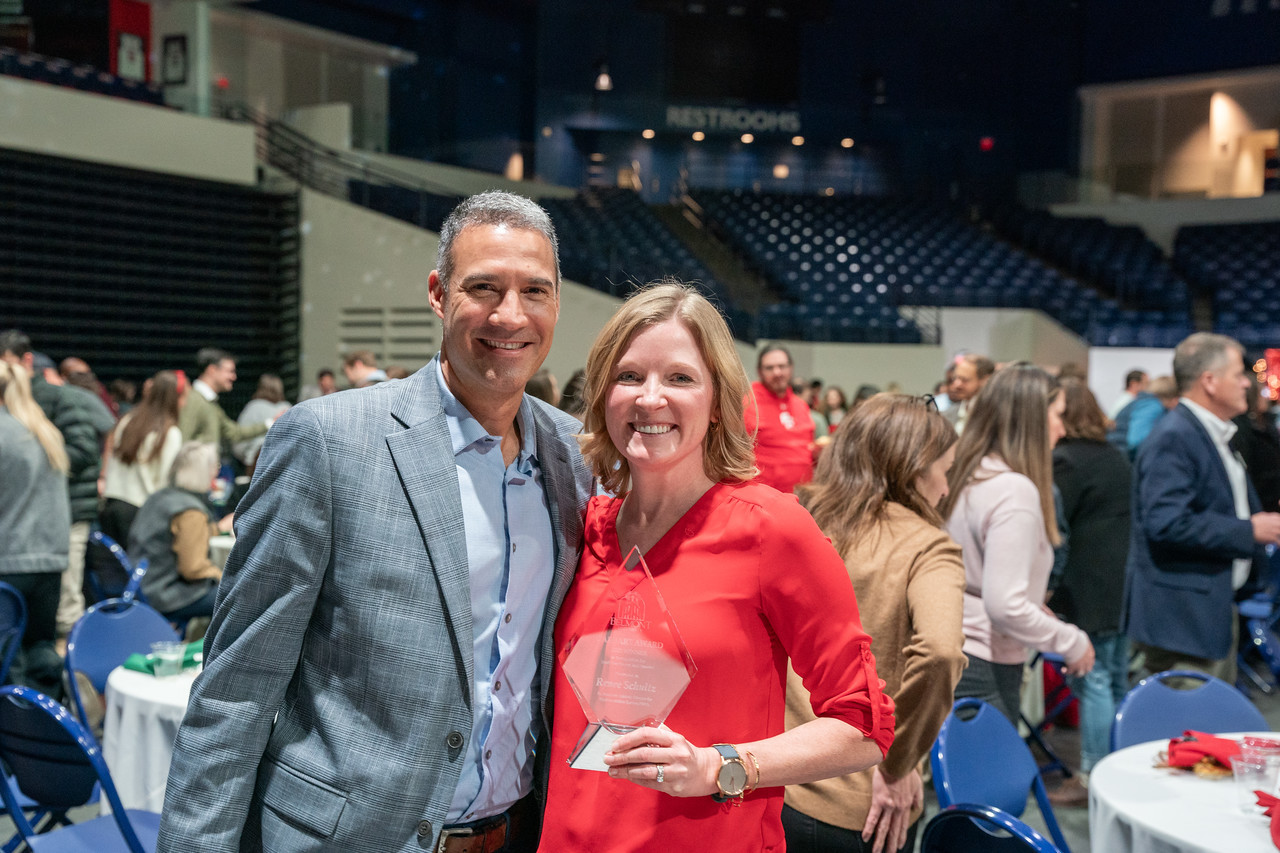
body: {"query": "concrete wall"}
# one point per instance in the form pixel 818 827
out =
pixel 66 123
pixel 1011 334
pixel 353 258
pixel 1108 366
pixel 328 124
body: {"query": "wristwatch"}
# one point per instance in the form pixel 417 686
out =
pixel 732 778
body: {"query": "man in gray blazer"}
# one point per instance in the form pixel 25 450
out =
pixel 377 669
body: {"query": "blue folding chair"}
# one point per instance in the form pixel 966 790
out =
pixel 1259 641
pixel 112 588
pixel 13 624
pixel 105 636
pixel 982 760
pixel 1055 703
pixel 133 589
pixel 972 828
pixel 57 763
pixel 1153 710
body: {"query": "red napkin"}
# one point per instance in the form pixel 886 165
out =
pixel 1186 751
pixel 1271 804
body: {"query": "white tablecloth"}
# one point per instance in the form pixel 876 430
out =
pixel 143 715
pixel 1137 808
pixel 220 549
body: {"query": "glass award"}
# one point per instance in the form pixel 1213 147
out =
pixel 626 662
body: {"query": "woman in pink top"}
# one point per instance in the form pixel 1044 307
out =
pixel 1000 511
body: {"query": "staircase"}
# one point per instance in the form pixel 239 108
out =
pixel 749 290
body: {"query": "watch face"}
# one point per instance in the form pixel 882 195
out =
pixel 732 778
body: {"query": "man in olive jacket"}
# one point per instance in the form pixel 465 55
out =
pixel 201 418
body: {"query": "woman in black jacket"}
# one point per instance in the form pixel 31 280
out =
pixel 1094 479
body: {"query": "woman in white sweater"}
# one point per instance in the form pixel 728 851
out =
pixel 1000 511
pixel 140 452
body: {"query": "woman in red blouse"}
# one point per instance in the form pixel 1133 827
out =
pixel 749 581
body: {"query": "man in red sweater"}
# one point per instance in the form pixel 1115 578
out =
pixel 780 422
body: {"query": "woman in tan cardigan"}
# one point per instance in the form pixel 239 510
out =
pixel 875 494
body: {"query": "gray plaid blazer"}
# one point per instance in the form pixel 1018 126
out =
pixel 336 692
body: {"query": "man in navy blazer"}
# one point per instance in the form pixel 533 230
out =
pixel 377 668
pixel 1197 524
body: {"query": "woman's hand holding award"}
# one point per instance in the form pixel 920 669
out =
pixel 626 662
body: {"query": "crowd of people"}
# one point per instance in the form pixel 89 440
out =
pixel 155 456
pixel 415 558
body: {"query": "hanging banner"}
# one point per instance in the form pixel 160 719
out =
pixel 129 31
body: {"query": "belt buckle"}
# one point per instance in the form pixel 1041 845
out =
pixel 502 825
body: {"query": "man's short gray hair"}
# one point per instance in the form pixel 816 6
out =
pixel 1203 351
pixel 194 467
pixel 494 207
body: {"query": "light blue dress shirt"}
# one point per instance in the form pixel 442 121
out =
pixel 511 557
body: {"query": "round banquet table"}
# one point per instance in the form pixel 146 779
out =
pixel 1135 807
pixel 220 549
pixel 142 719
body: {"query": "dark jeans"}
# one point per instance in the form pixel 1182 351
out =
pixel 38 664
pixel 810 835
pixel 997 684
pixel 202 606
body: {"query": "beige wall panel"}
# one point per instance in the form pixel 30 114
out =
pixel 66 123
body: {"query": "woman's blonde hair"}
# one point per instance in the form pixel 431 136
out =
pixel 15 391
pixel 1009 418
pixel 876 457
pixel 727 451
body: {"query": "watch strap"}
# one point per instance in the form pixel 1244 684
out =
pixel 728 752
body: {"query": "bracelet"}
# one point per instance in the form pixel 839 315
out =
pixel 756 764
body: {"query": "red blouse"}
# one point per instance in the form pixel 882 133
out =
pixel 748 579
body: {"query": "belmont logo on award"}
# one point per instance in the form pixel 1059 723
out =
pixel 626 662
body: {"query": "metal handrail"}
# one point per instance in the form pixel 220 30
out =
pixel 329 170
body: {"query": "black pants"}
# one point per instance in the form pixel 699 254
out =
pixel 810 835
pixel 116 518
pixel 38 664
pixel 997 684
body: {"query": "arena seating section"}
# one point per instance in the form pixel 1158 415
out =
pixel 844 265
pixel 1146 302
pixel 611 241
pixel 1238 268
pixel 133 270
pixel 60 72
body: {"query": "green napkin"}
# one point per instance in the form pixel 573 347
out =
pixel 146 663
